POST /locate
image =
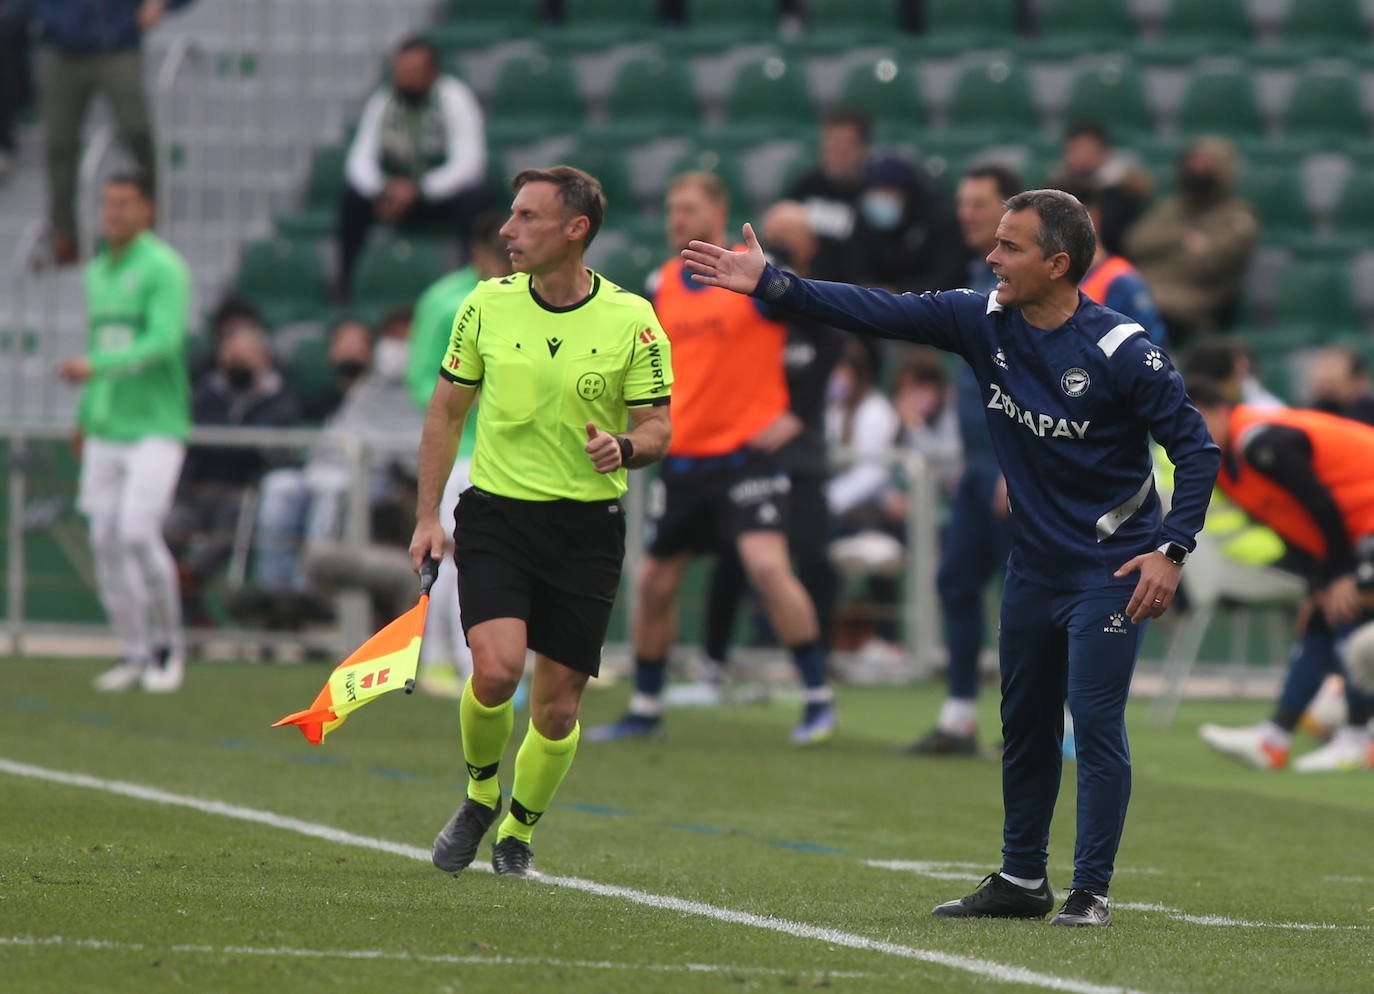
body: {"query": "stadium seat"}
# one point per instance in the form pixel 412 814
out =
pixel 650 96
pixel 1112 94
pixel 599 23
pixel 1072 27
pixel 1326 105
pixel 1316 296
pixel 1325 25
pixel 611 167
pixel 992 97
pixel 1353 216
pixel 629 267
pixel 284 277
pixel 887 90
pixel 714 160
pixel 1221 102
pixel 957 26
pixel 715 25
pixel 308 369
pixel 836 25
pixel 533 98
pixel 475 24
pixel 392 271
pixel 768 99
pixel 1276 193
pixel 320 209
pixel 1191 30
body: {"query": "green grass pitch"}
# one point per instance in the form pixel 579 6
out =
pixel 717 859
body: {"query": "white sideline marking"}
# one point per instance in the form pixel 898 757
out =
pixel 382 954
pixel 984 968
pixel 1330 878
pixel 945 869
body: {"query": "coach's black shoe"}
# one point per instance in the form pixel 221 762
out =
pixel 456 844
pixel 1083 907
pixel 938 742
pixel 998 897
pixel 512 858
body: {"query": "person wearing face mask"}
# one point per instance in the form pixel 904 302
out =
pixel 1194 246
pixel 350 356
pixel 419 154
pixel 243 389
pixel 904 231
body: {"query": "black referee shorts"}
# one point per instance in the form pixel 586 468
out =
pixel 553 564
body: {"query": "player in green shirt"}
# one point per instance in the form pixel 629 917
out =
pixel 134 417
pixel 445 661
pixel 563 357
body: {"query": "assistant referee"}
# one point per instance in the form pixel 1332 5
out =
pixel 563 357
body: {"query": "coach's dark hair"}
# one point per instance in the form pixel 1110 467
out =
pixel 419 43
pixel 1064 227
pixel 852 117
pixel 1007 180
pixel 1206 392
pixel 138 180
pixel 581 193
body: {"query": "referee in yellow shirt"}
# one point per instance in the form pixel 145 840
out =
pixel 564 359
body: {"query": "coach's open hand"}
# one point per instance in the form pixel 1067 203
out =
pixel 603 449
pixel 717 266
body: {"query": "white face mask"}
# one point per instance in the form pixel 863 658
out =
pixel 390 357
pixel 883 210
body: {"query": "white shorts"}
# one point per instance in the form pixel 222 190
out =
pixel 129 476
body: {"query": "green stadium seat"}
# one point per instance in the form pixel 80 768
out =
pixel 837 25
pixel 1073 27
pixel 284 277
pixel 1353 215
pixel 308 369
pixel 1318 296
pixel 650 96
pixel 534 97
pixel 1192 29
pixel 887 90
pixel 319 212
pixel 1325 25
pixel 769 98
pixel 600 23
pixel 1276 193
pixel 716 25
pixel 714 160
pixel 1221 102
pixel 629 267
pixel 392 271
pixel 1326 105
pixel 476 24
pixel 957 26
pixel 1112 94
pixel 611 167
pixel 992 97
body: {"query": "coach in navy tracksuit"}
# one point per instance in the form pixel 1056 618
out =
pixel 1072 391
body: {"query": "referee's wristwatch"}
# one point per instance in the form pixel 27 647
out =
pixel 1174 552
pixel 627 449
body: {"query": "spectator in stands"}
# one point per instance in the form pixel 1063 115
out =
pixel 419 155
pixel 924 402
pixel 231 313
pixel 245 389
pixel 92 48
pixel 861 429
pixel 1087 159
pixel 307 506
pixel 1338 383
pixel 14 73
pixel 977 539
pixel 875 221
pixel 1227 363
pixel 350 357
pixel 1194 245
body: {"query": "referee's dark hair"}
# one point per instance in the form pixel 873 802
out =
pixel 138 180
pixel 1064 227
pixel 581 193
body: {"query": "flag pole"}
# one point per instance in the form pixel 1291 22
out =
pixel 429 572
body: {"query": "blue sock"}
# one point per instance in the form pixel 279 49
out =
pixel 1314 659
pixel 810 662
pixel 649 676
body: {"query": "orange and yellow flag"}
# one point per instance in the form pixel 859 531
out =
pixel 383 663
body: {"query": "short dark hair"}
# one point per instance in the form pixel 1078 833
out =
pixel 708 182
pixel 1007 180
pixel 1064 227
pixel 137 179
pixel 486 230
pixel 851 117
pixel 419 43
pixel 233 309
pixel 580 191
pixel 1086 192
pixel 1206 392
pixel 1088 129
pixel 923 365
pixel 1213 358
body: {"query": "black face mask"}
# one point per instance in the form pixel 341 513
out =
pixel 350 369
pixel 240 377
pixel 1328 405
pixel 411 98
pixel 1199 186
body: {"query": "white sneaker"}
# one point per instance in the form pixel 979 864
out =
pixel 164 676
pixel 695 694
pixel 1347 750
pixel 120 677
pixel 1251 744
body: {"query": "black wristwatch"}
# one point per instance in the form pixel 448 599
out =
pixel 627 450
pixel 1174 552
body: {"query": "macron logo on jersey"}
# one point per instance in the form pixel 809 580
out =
pixel 1037 424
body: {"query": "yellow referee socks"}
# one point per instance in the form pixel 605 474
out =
pixel 485 732
pixel 540 766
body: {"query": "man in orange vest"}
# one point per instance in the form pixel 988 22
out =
pixel 1308 476
pixel 721 485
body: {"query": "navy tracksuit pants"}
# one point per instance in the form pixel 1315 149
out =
pixel 1057 645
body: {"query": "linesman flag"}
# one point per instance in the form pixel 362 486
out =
pixel 383 663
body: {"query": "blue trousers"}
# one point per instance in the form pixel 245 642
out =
pixel 1315 657
pixel 975 548
pixel 1057 645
